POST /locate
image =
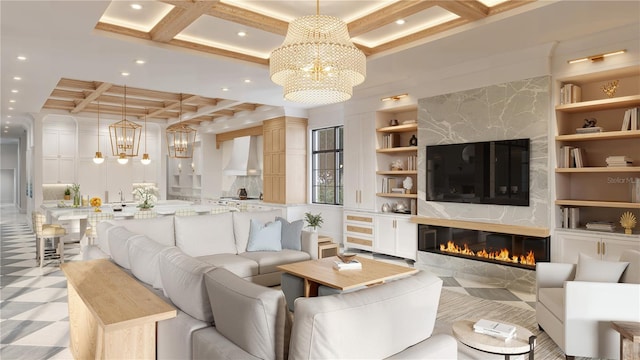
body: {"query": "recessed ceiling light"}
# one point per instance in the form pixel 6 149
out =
pixel 22 58
pixel 17 78
pixel 12 101
pixel 6 127
pixel 10 108
pixel 136 6
pixel 247 80
pixel 15 91
pixel 6 131
pixel 225 89
pixel 124 73
pixel 140 61
pixel 400 21
pixel 242 33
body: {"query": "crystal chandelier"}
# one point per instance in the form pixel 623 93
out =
pixel 125 136
pixel 180 138
pixel 317 63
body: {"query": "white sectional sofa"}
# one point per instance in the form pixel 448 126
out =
pixel 226 309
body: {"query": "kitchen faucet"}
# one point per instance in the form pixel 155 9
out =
pixel 121 195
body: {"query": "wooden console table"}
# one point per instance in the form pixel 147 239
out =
pixel 111 315
pixel 629 339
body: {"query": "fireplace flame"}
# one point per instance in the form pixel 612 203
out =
pixel 502 255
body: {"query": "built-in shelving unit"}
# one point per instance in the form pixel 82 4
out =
pixel 600 192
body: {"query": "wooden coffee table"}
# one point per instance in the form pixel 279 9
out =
pixel 523 343
pixel 321 272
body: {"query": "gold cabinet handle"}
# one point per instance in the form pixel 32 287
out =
pixel 603 249
pixel 598 250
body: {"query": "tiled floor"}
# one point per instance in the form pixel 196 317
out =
pixel 33 302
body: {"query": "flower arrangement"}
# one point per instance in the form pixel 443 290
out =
pixel 146 196
pixel 75 188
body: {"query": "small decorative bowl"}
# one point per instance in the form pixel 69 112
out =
pixel 346 258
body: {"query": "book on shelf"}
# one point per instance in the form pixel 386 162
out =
pixel 351 265
pixel 412 162
pixel 390 140
pixel 570 217
pixel 397 191
pixel 388 183
pixel 589 130
pixel 631 120
pixel 495 329
pixel 570 93
pixel 577 155
pixel 619 161
pixel 601 226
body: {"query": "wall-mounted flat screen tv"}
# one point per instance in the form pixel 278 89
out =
pixel 489 172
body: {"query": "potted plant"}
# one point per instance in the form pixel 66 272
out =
pixel 67 193
pixel 313 221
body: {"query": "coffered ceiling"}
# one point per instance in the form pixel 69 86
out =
pixel 249 30
pixel 64 56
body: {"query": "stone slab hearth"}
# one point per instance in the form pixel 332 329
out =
pixel 492 274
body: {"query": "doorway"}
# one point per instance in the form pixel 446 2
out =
pixel 7 186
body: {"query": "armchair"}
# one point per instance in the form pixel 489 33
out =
pixel 577 315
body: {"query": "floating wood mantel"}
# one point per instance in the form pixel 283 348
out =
pixel 474 225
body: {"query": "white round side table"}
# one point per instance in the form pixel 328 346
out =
pixel 522 343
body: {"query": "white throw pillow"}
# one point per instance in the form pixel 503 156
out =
pixel 265 237
pixel 241 224
pixel 589 269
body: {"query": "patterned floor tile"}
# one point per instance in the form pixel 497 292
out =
pixel 52 311
pixel 16 352
pixel 9 309
pixel 13 330
pixel 55 334
pixel 39 294
pixel 493 294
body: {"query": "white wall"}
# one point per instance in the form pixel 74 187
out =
pixel 9 160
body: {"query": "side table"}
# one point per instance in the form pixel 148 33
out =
pixel 629 339
pixel 522 343
pixel 326 247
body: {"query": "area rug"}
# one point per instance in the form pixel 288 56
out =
pixel 455 306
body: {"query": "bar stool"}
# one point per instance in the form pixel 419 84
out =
pixel 47 231
pixel 93 219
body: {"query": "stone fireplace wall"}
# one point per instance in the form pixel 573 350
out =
pixel 518 109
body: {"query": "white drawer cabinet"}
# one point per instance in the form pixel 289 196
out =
pixel 396 235
pixel 358 230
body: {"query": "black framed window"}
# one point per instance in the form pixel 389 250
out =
pixel 326 165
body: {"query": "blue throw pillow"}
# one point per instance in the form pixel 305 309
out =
pixel 291 232
pixel 264 237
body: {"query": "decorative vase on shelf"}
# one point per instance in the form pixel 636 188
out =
pixel 76 199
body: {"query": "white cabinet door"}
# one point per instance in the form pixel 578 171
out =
pixel 67 170
pixel 50 170
pixel 50 143
pixel 385 239
pixel 612 247
pixel 359 162
pixel 67 144
pixel 406 238
pixel 572 245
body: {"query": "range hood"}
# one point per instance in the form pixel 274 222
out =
pixel 244 158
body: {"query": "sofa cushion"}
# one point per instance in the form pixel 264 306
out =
pixel 118 236
pixel 241 225
pixel 205 234
pixel 102 240
pixel 269 260
pixel 250 315
pixel 159 229
pixel 326 327
pixel 553 299
pixel 143 257
pixel 264 237
pixel 291 233
pixel 182 278
pixel 241 266
pixel 632 274
pixel 589 269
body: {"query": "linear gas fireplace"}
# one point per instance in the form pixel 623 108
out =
pixel 505 249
